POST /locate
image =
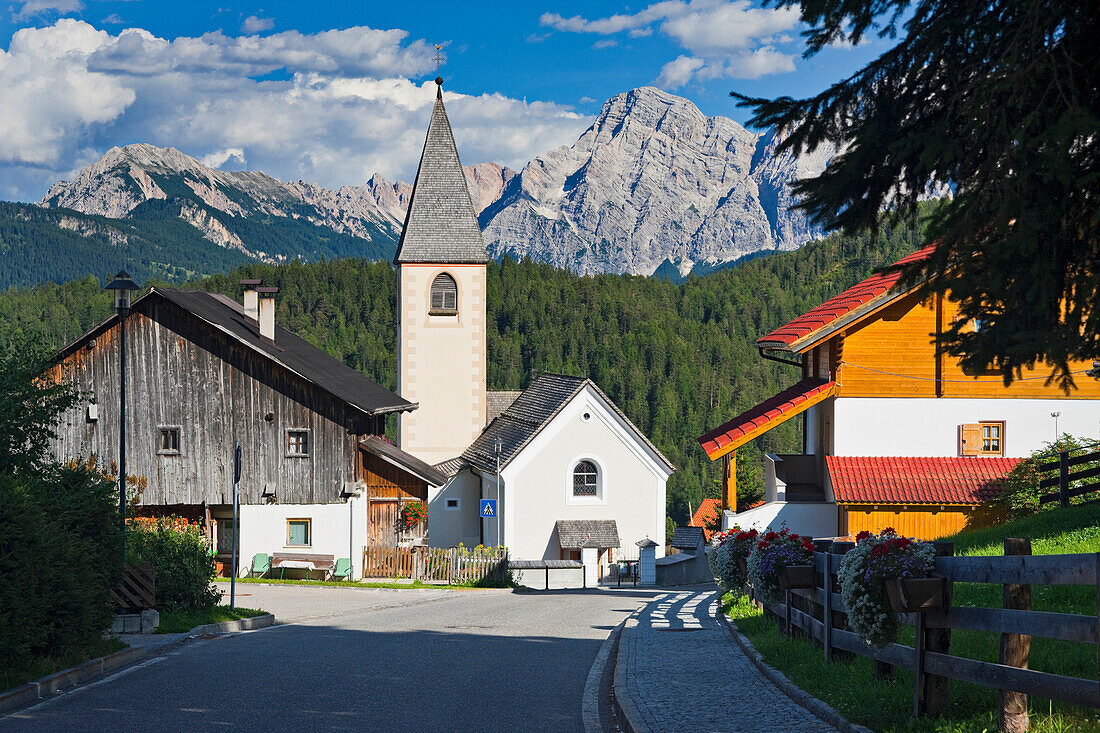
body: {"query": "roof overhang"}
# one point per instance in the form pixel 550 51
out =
pixel 768 414
pixel 406 462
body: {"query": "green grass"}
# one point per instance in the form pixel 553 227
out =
pixel 177 622
pixel 391 585
pixel 852 689
pixel 36 667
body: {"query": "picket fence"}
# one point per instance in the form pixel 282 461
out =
pixel 436 564
pixel 819 613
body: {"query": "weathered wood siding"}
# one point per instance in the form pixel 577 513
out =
pixel 893 354
pixel 182 372
pixel 384 480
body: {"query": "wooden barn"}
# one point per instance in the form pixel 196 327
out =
pixel 203 372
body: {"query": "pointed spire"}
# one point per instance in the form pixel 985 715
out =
pixel 441 224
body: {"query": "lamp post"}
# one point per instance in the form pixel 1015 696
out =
pixel 124 288
pixel 497 447
pixel 1056 415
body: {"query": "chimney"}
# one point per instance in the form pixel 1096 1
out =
pixel 251 303
pixel 267 313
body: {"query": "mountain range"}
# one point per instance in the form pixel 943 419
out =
pixel 653 186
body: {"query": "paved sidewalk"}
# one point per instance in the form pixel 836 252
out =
pixel 297 602
pixel 681 671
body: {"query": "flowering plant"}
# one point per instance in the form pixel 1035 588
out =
pixel 774 551
pixel 413 514
pixel 726 549
pixel 864 572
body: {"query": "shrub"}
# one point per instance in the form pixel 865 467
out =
pixel 775 551
pixel 726 549
pixel 1021 492
pixel 863 574
pixel 181 560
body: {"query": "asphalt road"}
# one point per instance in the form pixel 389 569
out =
pixel 494 661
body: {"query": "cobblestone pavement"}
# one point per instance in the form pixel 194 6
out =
pixel 297 602
pixel 684 673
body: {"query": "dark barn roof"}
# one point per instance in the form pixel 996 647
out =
pixel 405 461
pixel 290 351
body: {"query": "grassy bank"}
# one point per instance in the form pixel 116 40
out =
pixel 176 622
pixel 852 689
pixel 36 667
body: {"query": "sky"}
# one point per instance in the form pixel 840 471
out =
pixel 333 92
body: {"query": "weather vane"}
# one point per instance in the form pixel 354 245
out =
pixel 439 58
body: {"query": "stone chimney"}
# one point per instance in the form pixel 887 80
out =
pixel 267 313
pixel 251 300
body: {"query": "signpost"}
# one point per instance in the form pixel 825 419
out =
pixel 236 533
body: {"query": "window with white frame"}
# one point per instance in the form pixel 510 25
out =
pixel 586 479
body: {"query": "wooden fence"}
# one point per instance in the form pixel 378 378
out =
pixel 1071 470
pixel 819 612
pixel 435 564
pixel 137 589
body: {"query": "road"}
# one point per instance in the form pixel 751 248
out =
pixel 459 661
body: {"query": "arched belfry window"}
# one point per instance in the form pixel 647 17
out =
pixel 444 298
pixel 586 479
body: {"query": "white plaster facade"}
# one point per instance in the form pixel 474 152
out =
pixel 441 361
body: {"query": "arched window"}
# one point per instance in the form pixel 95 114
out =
pixel 585 479
pixel 444 300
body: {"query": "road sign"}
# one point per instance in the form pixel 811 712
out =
pixel 488 508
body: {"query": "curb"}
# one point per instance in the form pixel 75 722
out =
pixel 625 710
pixel 23 695
pixel 594 684
pixel 794 692
pixel 229 627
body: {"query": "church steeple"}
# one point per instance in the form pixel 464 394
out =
pixel 441 224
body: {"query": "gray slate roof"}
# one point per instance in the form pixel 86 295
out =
pixel 574 534
pixel 289 351
pixel 441 224
pixel 405 461
pixel 687 538
pixel 451 466
pixel 499 401
pixel 535 407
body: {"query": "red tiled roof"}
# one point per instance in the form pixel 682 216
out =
pixel 765 416
pixel 708 509
pixel 904 480
pixel 841 305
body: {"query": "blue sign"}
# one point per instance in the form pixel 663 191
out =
pixel 488 508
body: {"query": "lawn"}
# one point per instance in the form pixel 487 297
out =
pixel 36 667
pixel 852 689
pixel 177 622
pixel 390 585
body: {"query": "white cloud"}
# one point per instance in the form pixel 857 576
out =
pixel 32 8
pixel 253 24
pixel 722 37
pixel 113 19
pixel 605 43
pixel 347 108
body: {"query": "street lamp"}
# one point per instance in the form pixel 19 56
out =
pixel 498 446
pixel 124 288
pixel 1056 415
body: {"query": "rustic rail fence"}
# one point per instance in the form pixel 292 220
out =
pixel 136 590
pixel 436 564
pixel 1072 472
pixel 819 613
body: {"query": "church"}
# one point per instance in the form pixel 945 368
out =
pixel 571 476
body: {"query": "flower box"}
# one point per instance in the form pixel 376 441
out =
pixel 917 595
pixel 796 576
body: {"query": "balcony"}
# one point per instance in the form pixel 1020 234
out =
pixel 793 478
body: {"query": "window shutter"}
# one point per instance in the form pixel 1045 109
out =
pixel 970 439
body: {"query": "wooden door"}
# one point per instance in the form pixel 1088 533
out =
pixel 382 523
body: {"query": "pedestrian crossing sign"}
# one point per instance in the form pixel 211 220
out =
pixel 488 508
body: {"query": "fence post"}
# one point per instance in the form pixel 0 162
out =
pixel 1063 478
pixel 938 640
pixel 827 610
pixel 839 619
pixel 1012 715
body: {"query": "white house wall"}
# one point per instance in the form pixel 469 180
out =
pixel 448 527
pixel 866 426
pixel 538 482
pixel 264 529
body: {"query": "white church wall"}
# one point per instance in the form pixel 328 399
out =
pixel 441 362
pixel 448 526
pixel 538 482
pixel 871 426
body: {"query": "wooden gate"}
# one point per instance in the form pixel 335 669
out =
pixel 387 562
pixel 137 589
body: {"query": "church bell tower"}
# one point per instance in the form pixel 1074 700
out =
pixel 441 304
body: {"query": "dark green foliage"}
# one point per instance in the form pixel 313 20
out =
pixel 29 406
pixel 59 557
pixel 678 359
pixel 181 561
pixel 1021 493
pixel 999 100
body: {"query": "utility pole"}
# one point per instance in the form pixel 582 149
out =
pixel 236 522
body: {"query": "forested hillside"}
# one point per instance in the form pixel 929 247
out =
pixel 678 359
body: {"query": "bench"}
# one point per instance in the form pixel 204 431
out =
pixel 300 561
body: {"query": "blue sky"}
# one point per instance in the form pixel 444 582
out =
pixel 332 92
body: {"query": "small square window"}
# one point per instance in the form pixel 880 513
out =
pixel 297 532
pixel 168 441
pixel 297 443
pixel 453 504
